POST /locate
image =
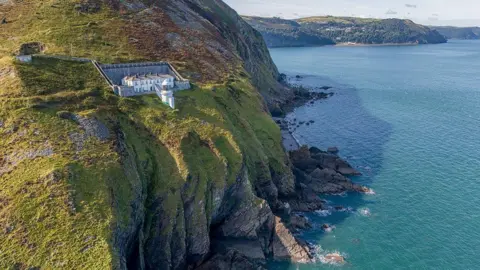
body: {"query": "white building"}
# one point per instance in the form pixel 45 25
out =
pixel 146 83
pixel 24 58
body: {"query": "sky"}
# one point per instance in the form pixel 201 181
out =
pixel 429 12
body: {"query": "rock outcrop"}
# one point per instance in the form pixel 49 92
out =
pixel 321 172
pixel 286 247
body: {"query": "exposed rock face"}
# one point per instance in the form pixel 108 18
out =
pixel 93 127
pixel 127 239
pixel 286 247
pixel 253 232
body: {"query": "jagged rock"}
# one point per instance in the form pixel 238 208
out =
pixel 4 20
pixel 334 162
pixel 331 182
pixel 286 247
pixel 246 222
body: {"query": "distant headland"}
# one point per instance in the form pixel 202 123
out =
pixel 329 30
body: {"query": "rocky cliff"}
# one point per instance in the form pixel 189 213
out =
pixel 91 180
pixel 314 31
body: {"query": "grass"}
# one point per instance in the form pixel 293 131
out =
pixel 65 31
pixel 216 130
pixel 154 157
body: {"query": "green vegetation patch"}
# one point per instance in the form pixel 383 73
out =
pixel 49 76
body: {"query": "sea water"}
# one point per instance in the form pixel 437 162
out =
pixel 408 117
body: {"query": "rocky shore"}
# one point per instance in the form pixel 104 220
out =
pixel 316 172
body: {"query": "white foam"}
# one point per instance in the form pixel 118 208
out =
pixel 348 209
pixel 322 256
pixel 329 229
pixel 370 192
pixel 364 212
pixel 324 213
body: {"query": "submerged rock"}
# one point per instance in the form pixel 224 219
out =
pixel 333 149
pixel 334 258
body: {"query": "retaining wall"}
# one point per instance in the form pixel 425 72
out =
pixel 116 72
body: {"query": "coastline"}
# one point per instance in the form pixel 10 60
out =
pixel 317 172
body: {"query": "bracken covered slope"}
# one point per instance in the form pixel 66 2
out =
pixel 93 181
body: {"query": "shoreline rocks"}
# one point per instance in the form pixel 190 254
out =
pixel 316 172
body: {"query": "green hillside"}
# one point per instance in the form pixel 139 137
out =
pixel 93 181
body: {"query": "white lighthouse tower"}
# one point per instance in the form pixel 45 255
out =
pixel 167 95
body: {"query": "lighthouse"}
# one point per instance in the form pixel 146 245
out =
pixel 167 95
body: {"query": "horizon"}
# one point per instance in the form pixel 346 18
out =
pixel 424 12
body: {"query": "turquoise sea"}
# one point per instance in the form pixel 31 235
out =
pixel 409 118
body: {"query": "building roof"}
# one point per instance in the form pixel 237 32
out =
pixel 148 77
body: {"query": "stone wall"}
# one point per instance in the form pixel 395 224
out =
pixel 116 72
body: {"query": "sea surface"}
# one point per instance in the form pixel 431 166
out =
pixel 408 117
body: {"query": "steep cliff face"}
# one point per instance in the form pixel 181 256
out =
pixel 97 181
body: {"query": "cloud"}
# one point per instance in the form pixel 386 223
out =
pixel 391 12
pixel 410 6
